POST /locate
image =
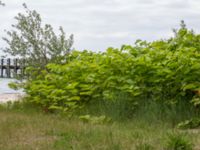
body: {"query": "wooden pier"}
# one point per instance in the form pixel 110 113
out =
pixel 11 67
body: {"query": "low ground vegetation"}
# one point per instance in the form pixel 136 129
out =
pixel 23 127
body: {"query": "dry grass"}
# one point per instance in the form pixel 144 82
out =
pixel 37 131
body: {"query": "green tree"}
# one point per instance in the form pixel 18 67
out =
pixel 37 43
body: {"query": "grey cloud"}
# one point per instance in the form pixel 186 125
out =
pixel 100 24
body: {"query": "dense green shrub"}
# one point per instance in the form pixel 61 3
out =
pixel 164 71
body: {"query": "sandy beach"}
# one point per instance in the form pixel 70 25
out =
pixel 5 97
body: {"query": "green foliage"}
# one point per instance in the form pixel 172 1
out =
pixel 13 85
pixel 190 124
pixel 165 72
pixel 178 142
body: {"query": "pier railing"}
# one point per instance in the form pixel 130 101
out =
pixel 9 68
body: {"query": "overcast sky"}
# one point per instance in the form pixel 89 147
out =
pixel 98 24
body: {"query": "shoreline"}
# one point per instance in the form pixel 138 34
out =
pixel 6 97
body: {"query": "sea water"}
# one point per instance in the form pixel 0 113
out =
pixel 4 88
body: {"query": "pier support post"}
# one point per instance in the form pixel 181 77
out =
pixel 1 67
pixel 8 68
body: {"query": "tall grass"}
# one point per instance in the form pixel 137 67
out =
pixel 122 108
pixel 24 126
pixel 25 129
